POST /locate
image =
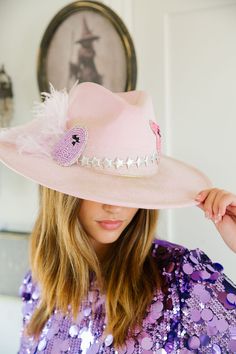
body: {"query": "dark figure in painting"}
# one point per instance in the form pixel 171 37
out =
pixel 85 69
pixel 6 98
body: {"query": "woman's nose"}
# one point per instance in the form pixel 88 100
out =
pixel 114 209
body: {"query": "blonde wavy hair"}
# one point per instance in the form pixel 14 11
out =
pixel 62 260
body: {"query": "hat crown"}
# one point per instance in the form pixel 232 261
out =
pixel 118 126
pixel 114 133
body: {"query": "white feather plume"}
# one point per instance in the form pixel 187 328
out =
pixel 49 123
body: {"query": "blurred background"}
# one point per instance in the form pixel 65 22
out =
pixel 185 56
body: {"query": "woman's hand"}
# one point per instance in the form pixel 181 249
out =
pixel 220 206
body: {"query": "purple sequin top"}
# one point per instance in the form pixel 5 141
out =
pixel 194 313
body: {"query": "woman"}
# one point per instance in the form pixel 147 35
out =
pixel 99 281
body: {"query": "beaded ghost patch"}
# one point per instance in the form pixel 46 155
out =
pixel 156 130
pixel 71 145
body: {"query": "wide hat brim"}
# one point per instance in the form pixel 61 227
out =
pixel 175 185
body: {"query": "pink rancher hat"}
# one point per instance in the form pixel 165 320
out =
pixel 101 146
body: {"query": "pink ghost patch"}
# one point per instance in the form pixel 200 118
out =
pixel 156 130
pixel 71 145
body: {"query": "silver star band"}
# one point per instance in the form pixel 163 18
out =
pixel 117 162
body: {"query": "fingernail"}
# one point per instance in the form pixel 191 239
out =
pixel 217 219
pixel 198 197
pixel 207 215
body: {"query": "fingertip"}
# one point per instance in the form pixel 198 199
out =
pixel 199 196
pixel 221 212
pixel 199 205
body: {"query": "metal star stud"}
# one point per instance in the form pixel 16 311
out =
pixel 146 160
pixel 107 162
pixel 84 161
pixel 118 163
pixel 95 162
pixel 138 162
pixel 153 157
pixel 129 162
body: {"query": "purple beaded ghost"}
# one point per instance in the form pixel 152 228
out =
pixel 71 145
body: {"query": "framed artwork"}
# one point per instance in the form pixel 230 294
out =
pixel 87 41
pixel 6 99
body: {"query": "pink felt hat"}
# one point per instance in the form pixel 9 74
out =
pixel 101 146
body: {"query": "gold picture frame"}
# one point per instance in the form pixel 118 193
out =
pixel 87 41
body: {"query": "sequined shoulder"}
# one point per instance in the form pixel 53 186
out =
pixel 204 301
pixel 29 292
pixel 29 289
pixel 169 256
pixel 208 305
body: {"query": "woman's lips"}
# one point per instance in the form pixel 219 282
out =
pixel 110 224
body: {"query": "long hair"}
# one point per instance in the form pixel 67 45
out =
pixel 62 260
